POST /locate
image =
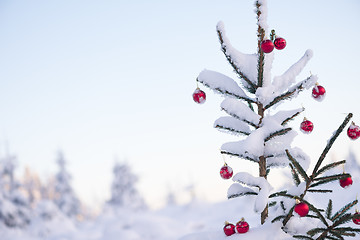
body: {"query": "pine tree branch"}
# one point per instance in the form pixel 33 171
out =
pixel 261 56
pixel 342 219
pixel 333 177
pixel 348 229
pixel 331 142
pixel 320 191
pixel 294 175
pixel 238 155
pixel 303 237
pixel 242 194
pixel 336 234
pixel 277 133
pixel 278 218
pixel 227 93
pixel 328 179
pixel 328 167
pixel 287 95
pixel 251 86
pixel 298 167
pixel 218 126
pixel 329 209
pixel 343 210
pixel 282 194
pixel 315 231
pixel 292 117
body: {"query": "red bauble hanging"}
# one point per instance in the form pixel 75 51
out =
pixel 345 182
pixel 353 131
pixel 279 43
pixel 356 218
pixel 301 208
pixel 318 92
pixel 226 171
pixel 267 46
pixel 229 229
pixel 306 126
pixel 199 96
pixel 242 226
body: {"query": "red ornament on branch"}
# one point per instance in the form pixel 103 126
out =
pixel 306 126
pixel 267 46
pixel 318 92
pixel 199 96
pixel 229 229
pixel 226 172
pixel 356 217
pixel 345 182
pixel 353 131
pixel 301 208
pixel 242 226
pixel 279 43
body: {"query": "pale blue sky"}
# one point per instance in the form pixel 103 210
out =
pixel 100 79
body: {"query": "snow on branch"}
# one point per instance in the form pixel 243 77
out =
pixel 244 64
pixel 223 84
pixel 250 148
pixel 240 111
pixel 281 160
pixel 283 117
pixel 283 82
pixel 293 91
pixel 237 190
pixel 232 125
pixel 260 182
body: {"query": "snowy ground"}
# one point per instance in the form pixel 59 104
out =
pixel 194 221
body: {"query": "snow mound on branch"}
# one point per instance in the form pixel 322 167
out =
pixel 246 63
pixel 220 82
pixel 231 123
pixel 239 110
pixel 260 182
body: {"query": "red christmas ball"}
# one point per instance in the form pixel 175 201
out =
pixel 306 126
pixel 279 43
pixel 267 46
pixel 226 172
pixel 356 218
pixel 229 229
pixel 199 96
pixel 302 209
pixel 353 131
pixel 318 93
pixel 345 182
pixel 242 226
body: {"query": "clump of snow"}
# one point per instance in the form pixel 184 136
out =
pixel 239 110
pixel 232 123
pixel 260 182
pixel 245 63
pixel 281 83
pixel 220 82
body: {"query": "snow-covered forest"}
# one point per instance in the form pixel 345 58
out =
pixel 31 209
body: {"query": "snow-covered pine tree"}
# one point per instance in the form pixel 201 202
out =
pixel 65 197
pixel 123 190
pixel 265 136
pixel 14 207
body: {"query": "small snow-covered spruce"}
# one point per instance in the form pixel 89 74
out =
pixel 15 210
pixel 123 190
pixel 331 223
pixel 248 102
pixel 65 197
